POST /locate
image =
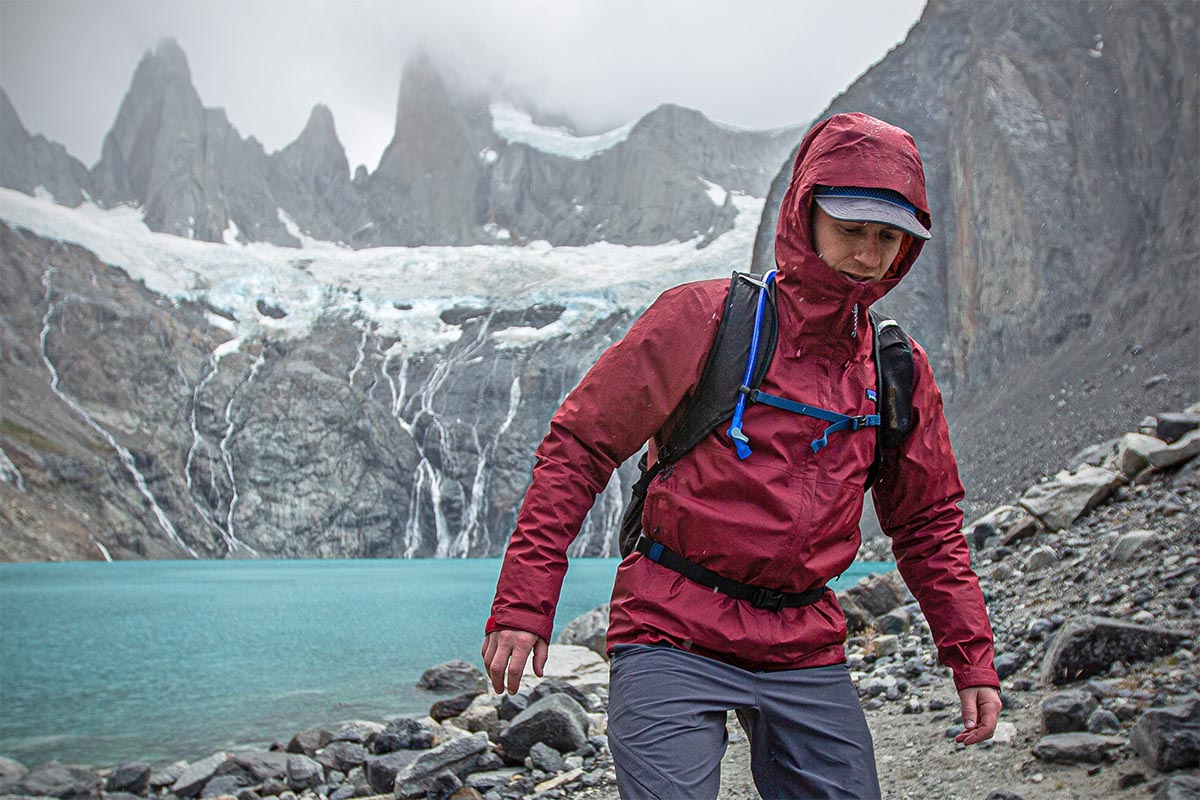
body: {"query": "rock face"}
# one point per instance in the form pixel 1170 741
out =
pixel 1060 164
pixel 451 175
pixel 273 446
pixel 28 162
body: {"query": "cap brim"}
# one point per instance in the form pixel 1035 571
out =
pixel 865 209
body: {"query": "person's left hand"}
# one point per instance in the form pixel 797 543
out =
pixel 980 712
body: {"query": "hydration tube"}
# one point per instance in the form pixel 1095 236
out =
pixel 740 441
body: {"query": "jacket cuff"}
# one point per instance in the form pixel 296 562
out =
pixel 975 676
pixel 521 621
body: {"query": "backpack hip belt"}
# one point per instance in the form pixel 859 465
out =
pixel 757 596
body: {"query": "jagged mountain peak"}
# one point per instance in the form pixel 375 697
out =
pixel 165 64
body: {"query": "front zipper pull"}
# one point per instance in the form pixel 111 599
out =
pixel 854 323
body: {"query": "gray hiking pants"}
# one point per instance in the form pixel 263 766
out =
pixel 666 728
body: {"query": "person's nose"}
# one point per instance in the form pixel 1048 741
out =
pixel 868 253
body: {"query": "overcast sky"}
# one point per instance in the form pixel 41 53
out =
pixel 758 63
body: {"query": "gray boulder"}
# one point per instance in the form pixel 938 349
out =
pixel 1063 712
pixel 1179 787
pixel 1169 738
pixel 444 786
pixel 53 779
pixel 1131 545
pixel 1002 795
pixel 878 594
pixel 357 731
pixel 192 780
pixel 512 704
pixel 222 785
pixel 555 720
pixel 1187 448
pixel 309 742
pixel 1135 450
pixel 1170 427
pixel 341 756
pixel 589 630
pixel 254 768
pixel 1041 558
pixel 559 686
pixel 1088 646
pixel 11 770
pixel 302 772
pixel 1103 721
pixel 459 756
pixel 167 775
pixel 452 706
pixel 545 758
pixel 1075 748
pixel 381 770
pixel 453 676
pixel 129 776
pixel 406 733
pixel 1060 501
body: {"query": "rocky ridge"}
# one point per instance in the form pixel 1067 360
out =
pixel 1059 142
pixel 448 177
pixel 1095 605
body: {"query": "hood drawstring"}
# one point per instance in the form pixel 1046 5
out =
pixel 854 323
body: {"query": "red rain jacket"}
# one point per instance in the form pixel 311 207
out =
pixel 786 518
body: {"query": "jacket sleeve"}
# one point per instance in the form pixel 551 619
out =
pixel 624 399
pixel 917 499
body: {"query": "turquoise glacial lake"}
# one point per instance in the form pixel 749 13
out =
pixel 157 661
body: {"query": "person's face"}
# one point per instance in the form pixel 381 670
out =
pixel 862 251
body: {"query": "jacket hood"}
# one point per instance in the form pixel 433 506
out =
pixel 848 150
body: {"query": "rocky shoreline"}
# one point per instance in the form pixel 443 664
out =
pixel 1093 584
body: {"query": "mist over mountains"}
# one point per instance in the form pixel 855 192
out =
pixel 461 169
pixel 211 350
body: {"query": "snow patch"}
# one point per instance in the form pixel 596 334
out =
pixel 496 232
pixel 517 127
pixel 488 156
pixel 716 193
pixel 1097 49
pixel 402 291
pixel 230 234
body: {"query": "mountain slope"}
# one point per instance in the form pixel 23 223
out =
pixel 1060 142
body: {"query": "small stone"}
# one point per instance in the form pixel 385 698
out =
pixel 1006 733
pixel 452 706
pixel 130 776
pixel 1007 664
pixel 453 676
pixel 1041 558
pixel 1103 721
pixel 1132 545
pixel 1130 780
pixel 545 758
pixel 1074 748
pixel 886 645
pixel 1063 712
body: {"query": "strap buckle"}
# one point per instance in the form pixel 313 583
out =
pixel 858 422
pixel 767 598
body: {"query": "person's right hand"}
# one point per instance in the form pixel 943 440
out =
pixel 506 650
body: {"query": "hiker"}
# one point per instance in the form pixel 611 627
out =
pixel 767 521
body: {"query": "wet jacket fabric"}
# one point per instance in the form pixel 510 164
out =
pixel 785 518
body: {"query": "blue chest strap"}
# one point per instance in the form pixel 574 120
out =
pixel 841 422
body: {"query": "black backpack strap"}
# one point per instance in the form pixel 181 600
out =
pixel 757 596
pixel 717 392
pixel 894 386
